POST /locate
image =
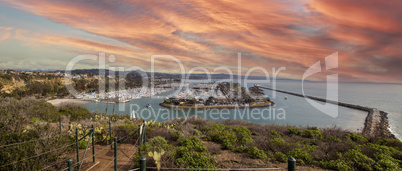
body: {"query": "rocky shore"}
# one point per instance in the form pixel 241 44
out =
pixel 376 124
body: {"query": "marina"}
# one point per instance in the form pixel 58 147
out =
pixel 124 96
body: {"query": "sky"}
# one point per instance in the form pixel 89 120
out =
pixel 269 34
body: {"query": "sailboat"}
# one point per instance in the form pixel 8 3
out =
pixel 132 116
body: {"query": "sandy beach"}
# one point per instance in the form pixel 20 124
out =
pixel 62 102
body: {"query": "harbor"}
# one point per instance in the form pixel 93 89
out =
pixel 125 95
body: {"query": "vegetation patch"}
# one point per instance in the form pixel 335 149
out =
pixel 193 143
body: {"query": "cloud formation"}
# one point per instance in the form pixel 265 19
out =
pixel 209 33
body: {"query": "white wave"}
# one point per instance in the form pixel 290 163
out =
pixel 392 124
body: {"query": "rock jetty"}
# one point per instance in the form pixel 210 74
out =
pixel 375 125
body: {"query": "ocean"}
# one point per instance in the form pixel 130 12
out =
pixel 288 109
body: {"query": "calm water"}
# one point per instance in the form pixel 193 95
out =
pixel 293 111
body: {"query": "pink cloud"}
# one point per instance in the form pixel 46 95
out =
pixel 209 33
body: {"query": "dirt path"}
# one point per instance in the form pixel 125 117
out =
pixel 104 158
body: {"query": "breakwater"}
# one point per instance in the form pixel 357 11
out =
pixel 375 125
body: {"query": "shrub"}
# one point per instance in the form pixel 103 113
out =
pixel 193 154
pixel 243 135
pixel 310 133
pixel 193 143
pixel 243 138
pixel 82 131
pixel 177 135
pixel 221 134
pixel 115 117
pixel 278 142
pixel 28 108
pixel 336 165
pixel 158 144
pixel 302 156
pixel 391 143
pixel 236 139
pixel 196 132
pixel 128 127
pixel 214 132
pixel 190 159
pixel 294 131
pixel 386 164
pixel 34 120
pixel 101 135
pixel 143 151
pixel 333 139
pixel 310 148
pixel 76 113
pixel 356 138
pixel 275 134
pixel 359 160
pixel 256 153
pixel 280 157
pixel 279 145
pixel 375 150
pixel 51 144
pixel 227 144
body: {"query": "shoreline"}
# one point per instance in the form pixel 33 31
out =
pixel 114 101
pixel 376 122
pixel 216 107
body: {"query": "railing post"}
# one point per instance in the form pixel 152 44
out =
pixel 139 138
pixel 93 143
pixel 143 135
pixel 110 131
pixel 60 123
pixel 77 145
pixel 143 163
pixel 70 164
pixel 115 153
pixel 291 164
pixel 139 135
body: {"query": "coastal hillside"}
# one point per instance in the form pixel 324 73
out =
pixel 30 128
pixel 45 85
